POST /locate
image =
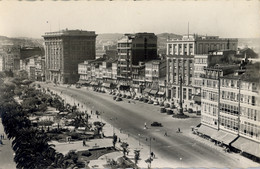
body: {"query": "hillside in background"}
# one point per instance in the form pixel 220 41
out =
pixel 6 42
pixel 112 38
pixel 253 43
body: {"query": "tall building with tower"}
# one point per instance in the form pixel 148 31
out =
pixel 64 50
pixel 133 48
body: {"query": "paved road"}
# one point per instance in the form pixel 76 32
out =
pixel 6 152
pixel 178 148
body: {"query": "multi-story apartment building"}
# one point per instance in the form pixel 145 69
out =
pixel 206 60
pixel 180 66
pixel 155 70
pixel 195 44
pixel 84 71
pixel 133 48
pixel 64 50
pixel 12 59
pixel 231 106
pixel 138 77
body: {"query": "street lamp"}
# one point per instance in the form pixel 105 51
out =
pixel 113 119
pixel 181 161
pixel 139 138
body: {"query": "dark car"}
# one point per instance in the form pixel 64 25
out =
pixel 119 99
pixel 190 111
pixel 156 124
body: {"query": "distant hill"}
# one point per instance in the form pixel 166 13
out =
pixel 162 40
pixel 109 36
pixel 20 41
pixel 253 43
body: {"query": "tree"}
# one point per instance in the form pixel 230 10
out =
pixel 124 145
pixel 114 140
pixel 137 155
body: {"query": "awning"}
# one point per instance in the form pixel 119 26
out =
pixel 208 131
pixel 107 85
pixel 147 90
pixel 225 137
pixel 94 83
pixel 161 93
pixel 83 82
pixel 248 146
pixel 153 91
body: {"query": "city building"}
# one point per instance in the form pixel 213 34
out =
pixel 138 77
pixel 230 107
pixel 180 67
pixel 12 58
pixel 35 67
pixel 64 50
pixel 202 61
pixel 196 44
pixel 2 61
pixel 133 48
pixel 155 71
pixel 84 71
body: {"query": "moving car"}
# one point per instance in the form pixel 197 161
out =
pixel 156 124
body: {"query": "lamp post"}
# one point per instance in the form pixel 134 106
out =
pixel 139 138
pixel 180 102
pixel 181 161
pixel 113 119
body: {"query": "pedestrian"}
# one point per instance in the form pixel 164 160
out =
pixel 179 130
pixel 152 155
pixel 145 125
pixel 165 134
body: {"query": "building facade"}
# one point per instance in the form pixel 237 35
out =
pixel 133 48
pixel 180 66
pixel 195 44
pixel 64 50
pixel 230 104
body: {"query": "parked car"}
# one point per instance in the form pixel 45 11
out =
pixel 156 102
pixel 128 97
pixel 150 102
pixel 169 111
pixel 166 105
pixel 156 124
pixel 136 98
pixel 114 98
pixel 162 110
pixel 119 99
pixel 146 100
pixel 190 111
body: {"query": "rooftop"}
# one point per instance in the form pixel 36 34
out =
pixel 67 32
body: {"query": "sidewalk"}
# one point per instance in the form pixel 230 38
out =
pixel 6 151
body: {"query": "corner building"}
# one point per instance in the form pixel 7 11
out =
pixel 64 50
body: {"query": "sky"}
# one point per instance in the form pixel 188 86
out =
pixel 231 19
